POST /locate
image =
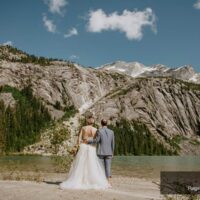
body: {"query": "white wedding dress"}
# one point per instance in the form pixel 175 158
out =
pixel 87 171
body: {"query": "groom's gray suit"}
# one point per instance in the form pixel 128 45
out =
pixel 106 142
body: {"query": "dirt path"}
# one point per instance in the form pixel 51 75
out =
pixel 124 188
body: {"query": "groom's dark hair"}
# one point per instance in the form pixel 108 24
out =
pixel 104 122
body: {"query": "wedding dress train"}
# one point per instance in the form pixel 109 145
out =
pixel 87 171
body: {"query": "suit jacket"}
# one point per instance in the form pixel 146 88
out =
pixel 105 140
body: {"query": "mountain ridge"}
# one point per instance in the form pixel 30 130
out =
pixel 136 69
pixel 154 96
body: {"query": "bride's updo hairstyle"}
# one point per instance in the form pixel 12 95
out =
pixel 90 120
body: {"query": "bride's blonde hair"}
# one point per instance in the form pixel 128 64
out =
pixel 90 121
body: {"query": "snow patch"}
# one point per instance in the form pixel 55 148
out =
pixel 194 78
pixel 111 67
pixel 166 70
pixel 141 70
pixel 121 70
pixel 178 68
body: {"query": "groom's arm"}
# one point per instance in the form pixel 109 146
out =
pixel 113 142
pixel 96 139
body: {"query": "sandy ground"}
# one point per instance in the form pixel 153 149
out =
pixel 123 188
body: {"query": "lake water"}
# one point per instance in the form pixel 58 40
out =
pixel 132 166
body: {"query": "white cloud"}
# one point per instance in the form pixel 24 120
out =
pixel 74 57
pixel 49 24
pixel 71 32
pixel 56 6
pixel 10 43
pixel 197 5
pixel 129 22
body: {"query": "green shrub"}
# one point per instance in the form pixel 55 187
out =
pixel 134 138
pixel 58 136
pixel 70 111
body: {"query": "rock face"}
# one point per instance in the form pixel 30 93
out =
pixel 167 105
pixel 63 82
pixel 7 99
pixel 164 103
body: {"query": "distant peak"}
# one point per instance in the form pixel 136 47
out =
pixel 124 63
pixel 184 67
pixel 158 65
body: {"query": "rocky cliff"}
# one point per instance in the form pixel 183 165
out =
pixel 59 84
pixel 169 107
pixel 167 103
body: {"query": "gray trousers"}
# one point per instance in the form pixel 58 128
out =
pixel 107 164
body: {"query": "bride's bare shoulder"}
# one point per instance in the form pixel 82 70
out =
pixel 84 128
pixel 94 128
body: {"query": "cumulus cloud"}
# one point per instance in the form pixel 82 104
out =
pixel 197 5
pixel 129 22
pixel 49 24
pixel 71 32
pixel 74 57
pixel 56 6
pixel 10 43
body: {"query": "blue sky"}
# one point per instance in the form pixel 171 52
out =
pixel 95 32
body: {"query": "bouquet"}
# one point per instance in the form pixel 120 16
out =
pixel 74 150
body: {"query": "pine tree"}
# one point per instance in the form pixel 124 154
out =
pixel 21 125
pixel 134 138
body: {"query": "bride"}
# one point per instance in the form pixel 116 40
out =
pixel 87 171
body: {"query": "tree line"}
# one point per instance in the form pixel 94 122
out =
pixel 134 138
pixel 20 125
pixel 28 58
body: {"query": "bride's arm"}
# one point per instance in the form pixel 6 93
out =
pixel 79 137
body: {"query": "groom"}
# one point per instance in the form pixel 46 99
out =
pixel 106 141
